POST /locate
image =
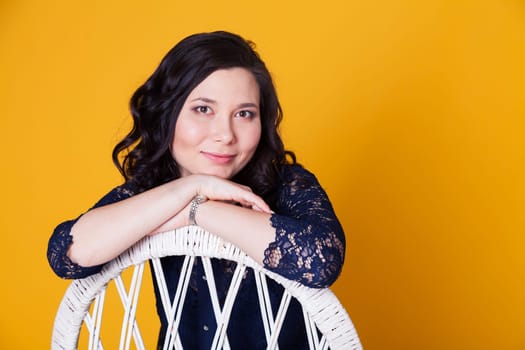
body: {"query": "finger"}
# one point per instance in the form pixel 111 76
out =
pixel 225 190
pixel 256 208
pixel 246 188
pixel 256 201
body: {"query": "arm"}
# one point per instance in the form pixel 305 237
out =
pixel 300 232
pixel 303 242
pixel 248 229
pixel 310 244
pixel 61 240
pixel 79 247
pixel 106 231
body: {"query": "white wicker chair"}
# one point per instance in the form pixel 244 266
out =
pixel 328 324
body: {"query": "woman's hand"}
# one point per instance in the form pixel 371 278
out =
pixel 215 188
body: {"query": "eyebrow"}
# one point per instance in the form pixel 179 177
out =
pixel 211 101
pixel 248 104
pixel 204 99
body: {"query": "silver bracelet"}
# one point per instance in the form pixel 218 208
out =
pixel 198 199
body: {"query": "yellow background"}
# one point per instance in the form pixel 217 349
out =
pixel 411 113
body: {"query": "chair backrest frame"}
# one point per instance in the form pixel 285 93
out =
pixel 320 306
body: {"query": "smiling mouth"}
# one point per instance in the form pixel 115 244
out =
pixel 218 158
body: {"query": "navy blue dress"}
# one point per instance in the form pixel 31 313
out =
pixel 309 247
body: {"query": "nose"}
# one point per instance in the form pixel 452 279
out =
pixel 223 130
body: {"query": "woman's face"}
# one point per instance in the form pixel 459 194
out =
pixel 219 125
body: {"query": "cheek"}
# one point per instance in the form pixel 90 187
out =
pixel 186 134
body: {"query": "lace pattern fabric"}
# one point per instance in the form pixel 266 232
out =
pixel 310 245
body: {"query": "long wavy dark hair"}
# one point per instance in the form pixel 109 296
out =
pixel 143 156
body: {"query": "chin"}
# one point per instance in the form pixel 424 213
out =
pixel 223 174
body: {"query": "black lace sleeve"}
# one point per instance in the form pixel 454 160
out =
pixel 61 239
pixel 310 242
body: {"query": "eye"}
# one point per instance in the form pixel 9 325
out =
pixel 202 109
pixel 245 114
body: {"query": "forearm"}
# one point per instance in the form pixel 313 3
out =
pixel 103 233
pixel 308 250
pixel 248 229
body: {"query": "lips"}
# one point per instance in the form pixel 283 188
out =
pixel 218 158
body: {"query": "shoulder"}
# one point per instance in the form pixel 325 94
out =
pixel 299 184
pixel 117 194
pixel 298 176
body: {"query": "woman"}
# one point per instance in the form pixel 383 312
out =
pixel 204 149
